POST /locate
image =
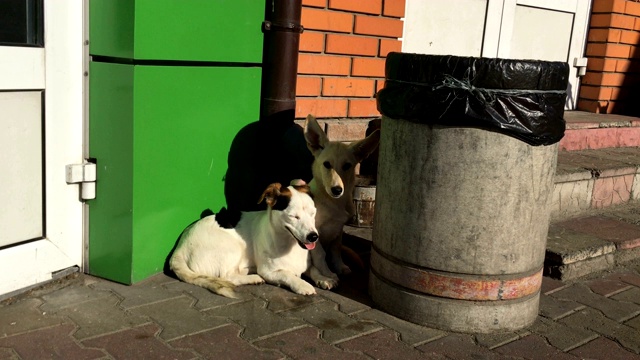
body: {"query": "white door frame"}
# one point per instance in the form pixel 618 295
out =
pixel 581 10
pixel 498 30
pixel 58 69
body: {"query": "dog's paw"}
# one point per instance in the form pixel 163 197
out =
pixel 327 283
pixel 255 279
pixel 343 269
pixel 304 288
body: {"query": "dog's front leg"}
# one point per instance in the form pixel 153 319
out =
pixel 284 277
pixel 319 260
pixel 320 280
pixel 335 249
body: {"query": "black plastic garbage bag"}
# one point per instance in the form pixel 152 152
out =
pixel 521 98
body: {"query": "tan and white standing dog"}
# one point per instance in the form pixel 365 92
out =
pixel 271 245
pixel 332 188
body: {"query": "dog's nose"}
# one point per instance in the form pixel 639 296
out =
pixel 336 190
pixel 312 237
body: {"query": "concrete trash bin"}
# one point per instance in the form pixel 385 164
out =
pixel 467 161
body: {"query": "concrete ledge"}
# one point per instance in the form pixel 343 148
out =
pixel 595 179
pixel 597 131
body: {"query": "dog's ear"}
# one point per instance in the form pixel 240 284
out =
pixel 315 136
pixel 271 194
pixel 363 148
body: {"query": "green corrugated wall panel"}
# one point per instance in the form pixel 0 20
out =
pixel 185 120
pixel 111 142
pixel 111 27
pixel 161 136
pixel 214 30
pixel 195 30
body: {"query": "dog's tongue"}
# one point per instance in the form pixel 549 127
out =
pixel 310 246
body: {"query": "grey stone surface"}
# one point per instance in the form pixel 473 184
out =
pixel 145 292
pixel 554 308
pixel 533 347
pixel 71 297
pixel 634 323
pixel 345 304
pixel 632 295
pixel 48 343
pixel 615 310
pixel 335 325
pixel 571 198
pixel 595 321
pixel 580 268
pixel 550 285
pixel 603 348
pixel 280 299
pixel 382 344
pixel 178 318
pixel 137 343
pixel 627 255
pixel 629 213
pixel 459 346
pixel 492 341
pixel 25 316
pixel 99 316
pixel 257 321
pixel 562 336
pixel 205 299
pixel 565 246
pixel 305 343
pixel 627 156
pixel 224 343
pixel 410 333
pixel 593 160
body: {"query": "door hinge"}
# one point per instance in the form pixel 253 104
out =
pixel 581 64
pixel 85 175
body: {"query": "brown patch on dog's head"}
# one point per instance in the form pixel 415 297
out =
pixel 303 189
pixel 277 197
pixel 271 194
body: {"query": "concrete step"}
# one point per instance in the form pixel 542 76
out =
pixel 598 131
pixel 594 242
pixel 595 179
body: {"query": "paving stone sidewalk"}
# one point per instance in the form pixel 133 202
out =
pixel 83 317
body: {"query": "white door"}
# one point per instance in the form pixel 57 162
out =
pixel 41 130
pixel 553 30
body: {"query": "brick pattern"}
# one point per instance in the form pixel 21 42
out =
pixel 613 71
pixel 342 57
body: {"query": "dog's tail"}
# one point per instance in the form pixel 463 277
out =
pixel 211 283
pixel 353 256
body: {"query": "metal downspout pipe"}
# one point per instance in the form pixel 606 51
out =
pixel 272 149
pixel 281 30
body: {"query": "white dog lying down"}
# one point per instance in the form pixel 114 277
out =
pixel 271 245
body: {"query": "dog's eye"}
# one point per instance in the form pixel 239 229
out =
pixel 297 217
pixel 346 166
pixel 327 164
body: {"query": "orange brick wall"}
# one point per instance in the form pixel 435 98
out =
pixel 341 61
pixel 612 82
